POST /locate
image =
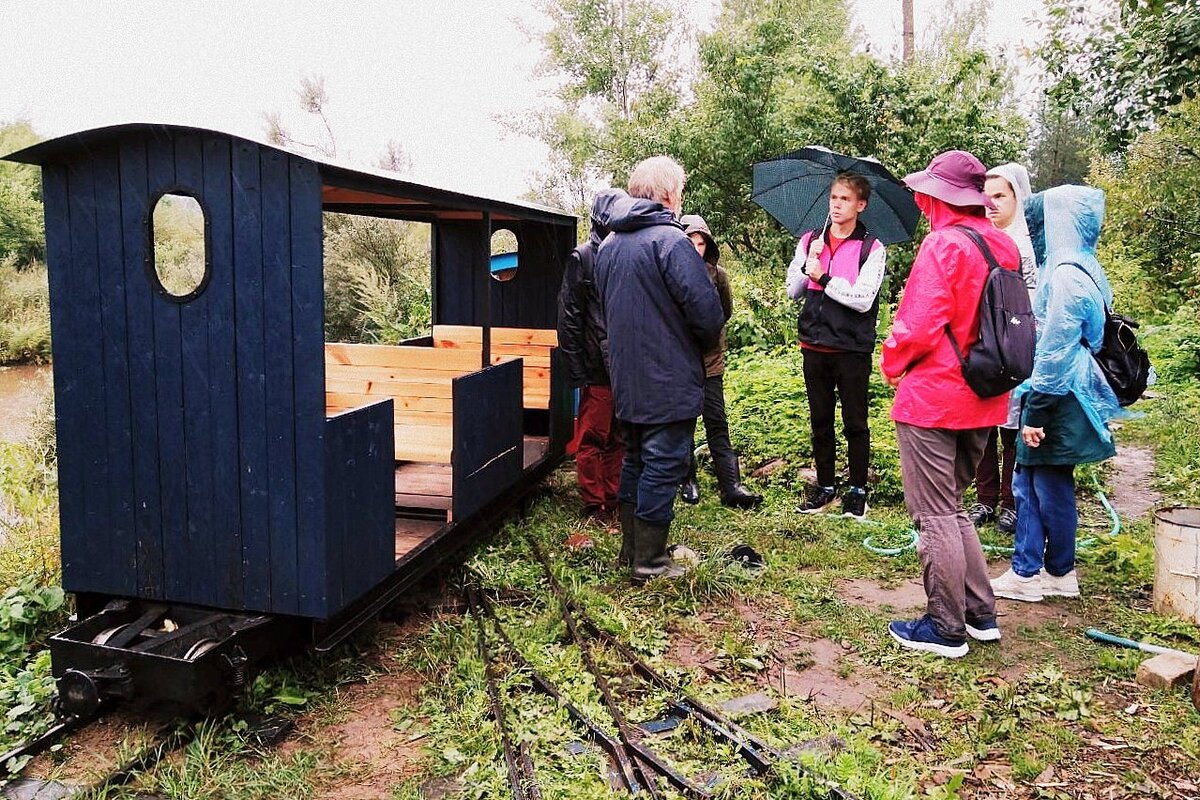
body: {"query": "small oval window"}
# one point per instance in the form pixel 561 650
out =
pixel 504 255
pixel 180 256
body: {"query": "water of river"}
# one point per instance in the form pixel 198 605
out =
pixel 21 389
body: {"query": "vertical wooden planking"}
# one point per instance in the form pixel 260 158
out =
pixel 168 384
pixel 85 335
pixel 368 542
pixel 198 545
pixel 308 349
pixel 252 430
pixel 121 535
pixel 280 391
pixel 222 366
pixel 139 318
pixel 359 503
pixel 67 390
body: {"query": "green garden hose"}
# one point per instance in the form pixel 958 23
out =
pixel 1083 544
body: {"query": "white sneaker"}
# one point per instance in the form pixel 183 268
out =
pixel 1060 585
pixel 1014 587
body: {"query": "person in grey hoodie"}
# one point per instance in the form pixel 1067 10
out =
pixel 662 313
pixel 1008 187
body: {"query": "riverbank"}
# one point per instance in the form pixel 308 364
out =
pixel 22 389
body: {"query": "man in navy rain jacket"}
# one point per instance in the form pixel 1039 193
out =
pixel 662 312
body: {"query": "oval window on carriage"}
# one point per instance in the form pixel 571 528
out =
pixel 504 255
pixel 179 241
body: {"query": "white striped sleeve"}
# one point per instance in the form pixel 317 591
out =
pixel 860 295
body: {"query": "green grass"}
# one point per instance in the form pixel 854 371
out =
pixel 997 721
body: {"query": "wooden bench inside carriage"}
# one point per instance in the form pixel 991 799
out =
pixel 426 385
pixel 532 345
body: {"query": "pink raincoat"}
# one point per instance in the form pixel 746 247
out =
pixel 943 288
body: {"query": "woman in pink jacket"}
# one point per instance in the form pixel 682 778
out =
pixel 941 424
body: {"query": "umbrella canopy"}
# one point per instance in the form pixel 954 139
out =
pixel 794 189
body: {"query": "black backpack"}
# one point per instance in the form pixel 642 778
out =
pixel 1124 362
pixel 1003 356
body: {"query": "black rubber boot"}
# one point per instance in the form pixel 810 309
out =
pixel 625 512
pixel 689 490
pixel 729 479
pixel 650 559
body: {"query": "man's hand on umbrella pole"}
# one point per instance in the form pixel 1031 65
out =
pixel 812 268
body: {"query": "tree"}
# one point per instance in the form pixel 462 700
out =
pixel 1153 207
pixel 313 99
pixel 1061 151
pixel 612 58
pixel 1124 66
pixel 22 223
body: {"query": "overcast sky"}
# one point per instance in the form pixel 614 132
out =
pixel 431 75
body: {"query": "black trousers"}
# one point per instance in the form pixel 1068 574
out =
pixel 829 377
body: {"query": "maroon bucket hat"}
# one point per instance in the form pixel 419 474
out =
pixel 955 177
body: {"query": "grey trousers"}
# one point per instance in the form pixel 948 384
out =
pixel 937 465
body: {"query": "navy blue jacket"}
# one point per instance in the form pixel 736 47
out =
pixel 662 313
pixel 581 335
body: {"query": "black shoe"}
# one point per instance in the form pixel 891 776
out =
pixel 981 514
pixel 738 496
pixel 854 503
pixel 817 500
pixel 1006 521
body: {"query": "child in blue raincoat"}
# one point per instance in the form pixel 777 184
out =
pixel 1067 403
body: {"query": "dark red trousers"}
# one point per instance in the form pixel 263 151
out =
pixel 994 476
pixel 600 452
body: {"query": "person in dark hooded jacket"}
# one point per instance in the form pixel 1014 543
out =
pixel 716 423
pixel 662 313
pixel 581 338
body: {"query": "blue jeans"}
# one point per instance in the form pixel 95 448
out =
pixel 1047 519
pixel 656 462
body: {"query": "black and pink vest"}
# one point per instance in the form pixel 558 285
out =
pixel 827 323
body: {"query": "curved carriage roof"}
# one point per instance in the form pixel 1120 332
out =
pixel 344 188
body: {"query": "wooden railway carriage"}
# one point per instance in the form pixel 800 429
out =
pixel 216 454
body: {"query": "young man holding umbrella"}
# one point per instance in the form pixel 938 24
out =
pixel 837 272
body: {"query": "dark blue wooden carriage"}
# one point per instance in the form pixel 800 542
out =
pixel 203 459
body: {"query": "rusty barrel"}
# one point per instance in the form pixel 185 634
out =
pixel 1177 562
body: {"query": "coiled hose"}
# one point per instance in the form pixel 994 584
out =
pixel 915 537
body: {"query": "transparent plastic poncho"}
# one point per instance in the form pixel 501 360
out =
pixel 1064 225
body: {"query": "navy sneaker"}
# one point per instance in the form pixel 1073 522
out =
pixel 920 634
pixel 983 630
pixel 817 499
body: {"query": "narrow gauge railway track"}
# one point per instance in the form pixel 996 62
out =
pixel 170 738
pixel 635 762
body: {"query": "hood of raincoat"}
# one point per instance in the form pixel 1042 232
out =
pixel 694 223
pixel 1018 178
pixel 942 214
pixel 634 213
pixel 1073 291
pixel 601 206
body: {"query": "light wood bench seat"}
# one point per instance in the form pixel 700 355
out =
pixel 532 345
pixel 419 380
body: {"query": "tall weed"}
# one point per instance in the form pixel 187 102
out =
pixel 24 313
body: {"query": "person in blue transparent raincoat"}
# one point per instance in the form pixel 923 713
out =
pixel 1067 403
